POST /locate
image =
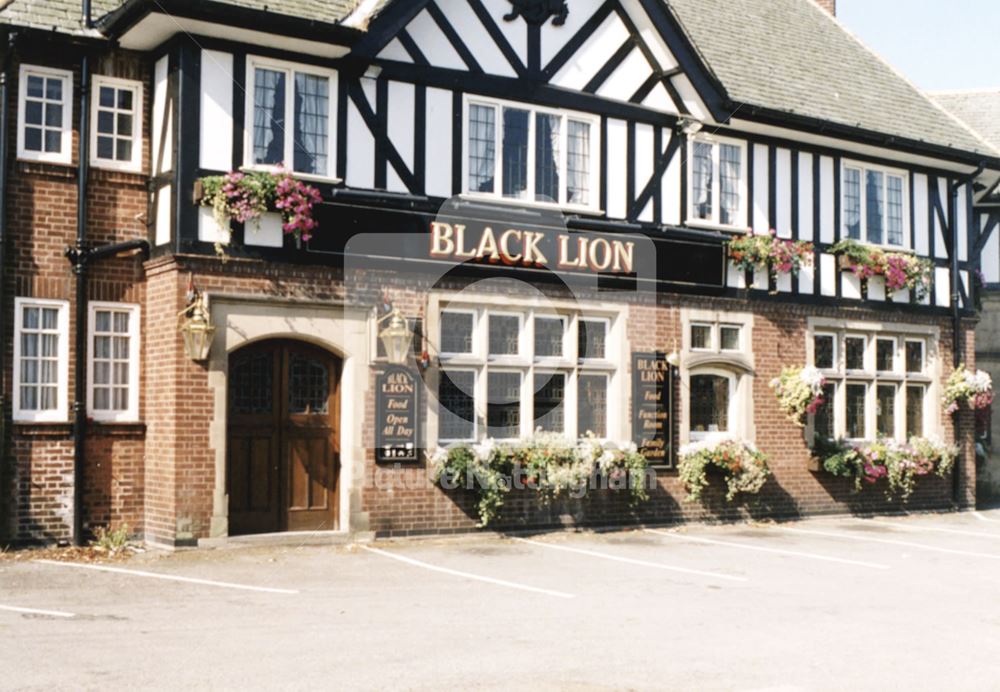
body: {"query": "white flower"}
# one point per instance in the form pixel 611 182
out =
pixel 484 450
pixel 813 377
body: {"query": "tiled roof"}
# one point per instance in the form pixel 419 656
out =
pixel 793 57
pixel 980 110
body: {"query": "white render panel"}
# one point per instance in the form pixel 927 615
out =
pixel 784 283
pixel 735 277
pixel 660 100
pixel 850 286
pixel 164 200
pixel 961 218
pixel 828 274
pixel 402 100
pixel 593 55
pixel 554 38
pixel 876 288
pixel 942 286
pixel 394 50
pixel 827 191
pixel 940 250
pixel 478 40
pixel 267 232
pixel 360 143
pixel 393 183
pixel 806 198
pixel 617 161
pixel 963 276
pixel 807 280
pixel 216 150
pixel 162 118
pixel 991 253
pixel 921 212
pixel 209 230
pixel 515 32
pixel 761 214
pixel 650 36
pixel 433 43
pixel 645 157
pixel 690 97
pixel 783 182
pixel 627 78
pixel 672 186
pixel 439 133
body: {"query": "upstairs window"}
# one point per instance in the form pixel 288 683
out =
pixel 717 184
pixel 116 124
pixel 873 205
pixel 521 153
pixel 290 117
pixel 45 110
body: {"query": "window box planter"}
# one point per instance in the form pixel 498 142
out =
pixel 741 465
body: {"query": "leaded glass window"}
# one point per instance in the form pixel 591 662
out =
pixel 456 405
pixel 578 163
pixel 701 337
pixel 856 395
pixel 824 351
pixel 592 339
pixel 854 352
pixel 874 206
pixel 914 356
pixel 504 335
pixel 709 404
pixel 515 152
pixel 547 157
pixel 592 405
pixel 550 395
pixel 549 332
pixel 885 355
pixel 701 181
pixel 312 123
pixel 503 406
pixel 885 413
pixel 915 411
pixel 456 332
pixel 251 384
pixel 308 386
pixel 269 117
pixel 823 422
pixel 852 203
pixel 482 148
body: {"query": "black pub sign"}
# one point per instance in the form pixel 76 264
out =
pixel 652 407
pixel 397 410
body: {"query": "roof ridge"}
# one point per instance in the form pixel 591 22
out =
pixel 906 80
pixel 963 92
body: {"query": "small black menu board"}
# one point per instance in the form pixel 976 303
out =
pixel 397 411
pixel 652 407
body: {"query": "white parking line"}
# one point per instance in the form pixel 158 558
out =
pixel 982 517
pixel 467 575
pixel 764 549
pixel 934 529
pixel 888 541
pixel 167 577
pixel 631 561
pixel 36 611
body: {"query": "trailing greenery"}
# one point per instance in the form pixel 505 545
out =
pixel 744 467
pixel 799 391
pixel 900 464
pixel 547 463
pixel 768 252
pixel 900 270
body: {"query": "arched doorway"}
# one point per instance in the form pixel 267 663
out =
pixel 283 441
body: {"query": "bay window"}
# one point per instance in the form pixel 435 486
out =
pixel 877 383
pixel 874 205
pixel 41 360
pixel 291 117
pixel 532 155
pixel 506 373
pixel 717 183
pixel 45 110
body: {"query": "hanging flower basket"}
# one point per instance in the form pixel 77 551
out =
pixel 245 197
pixel 741 465
pixel 971 389
pixel 899 464
pixel 900 270
pixel 799 391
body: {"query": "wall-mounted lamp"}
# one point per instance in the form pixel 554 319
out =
pixel 195 325
pixel 674 358
pixel 396 337
pixel 689 126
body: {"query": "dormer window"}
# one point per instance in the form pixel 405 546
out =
pixel 530 155
pixel 291 117
pixel 717 183
pixel 874 201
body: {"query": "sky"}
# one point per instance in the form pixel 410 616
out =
pixel 940 45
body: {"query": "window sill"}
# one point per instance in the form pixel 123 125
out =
pixel 43 428
pixel 111 167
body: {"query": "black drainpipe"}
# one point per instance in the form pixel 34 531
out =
pixel 80 269
pixel 956 308
pixel 4 127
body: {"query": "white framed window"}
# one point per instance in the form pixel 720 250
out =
pixel 879 382
pixel 531 155
pixel 113 362
pixel 41 360
pixel 875 205
pixel 291 117
pixel 116 124
pixel 44 114
pixel 506 371
pixel 711 401
pixel 717 181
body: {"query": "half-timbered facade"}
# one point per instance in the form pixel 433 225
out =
pixel 546 190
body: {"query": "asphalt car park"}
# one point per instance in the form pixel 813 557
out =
pixel 832 603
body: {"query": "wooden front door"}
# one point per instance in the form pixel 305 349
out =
pixel 283 441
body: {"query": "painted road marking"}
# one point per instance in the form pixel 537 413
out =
pixel 631 561
pixel 764 549
pixel 932 528
pixel 982 517
pixel 466 575
pixel 167 577
pixel 36 611
pixel 888 541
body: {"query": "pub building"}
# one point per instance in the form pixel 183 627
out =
pixel 485 218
